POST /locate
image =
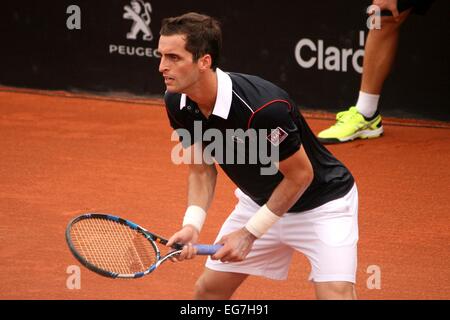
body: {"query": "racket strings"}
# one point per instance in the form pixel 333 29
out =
pixel 112 246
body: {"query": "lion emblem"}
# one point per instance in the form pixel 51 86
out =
pixel 139 12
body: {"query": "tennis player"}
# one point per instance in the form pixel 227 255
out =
pixel 308 204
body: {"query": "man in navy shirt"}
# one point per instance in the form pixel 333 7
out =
pixel 293 194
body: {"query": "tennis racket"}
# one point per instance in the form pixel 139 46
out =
pixel 118 248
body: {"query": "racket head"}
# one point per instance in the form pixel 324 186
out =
pixel 113 247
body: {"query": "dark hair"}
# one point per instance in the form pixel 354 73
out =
pixel 203 34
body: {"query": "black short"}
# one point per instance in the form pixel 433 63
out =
pixel 418 6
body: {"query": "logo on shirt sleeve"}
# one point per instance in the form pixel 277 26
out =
pixel 277 136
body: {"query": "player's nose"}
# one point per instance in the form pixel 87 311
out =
pixel 163 65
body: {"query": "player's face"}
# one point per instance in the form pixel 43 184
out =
pixel 179 70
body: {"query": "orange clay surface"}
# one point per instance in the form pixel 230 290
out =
pixel 62 156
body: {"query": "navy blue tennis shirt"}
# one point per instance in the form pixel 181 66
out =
pixel 250 103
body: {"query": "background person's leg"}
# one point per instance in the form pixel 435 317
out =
pixel 380 51
pixel 363 121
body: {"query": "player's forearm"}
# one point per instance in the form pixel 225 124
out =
pixel 201 186
pixel 282 199
pixel 287 193
pixel 298 174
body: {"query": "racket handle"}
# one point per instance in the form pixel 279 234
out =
pixel 206 249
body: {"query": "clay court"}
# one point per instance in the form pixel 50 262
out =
pixel 65 155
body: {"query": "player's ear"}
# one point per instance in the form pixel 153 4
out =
pixel 205 62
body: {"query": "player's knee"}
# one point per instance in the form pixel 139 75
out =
pixel 216 286
pixel 336 291
pixel 205 290
pixel 200 289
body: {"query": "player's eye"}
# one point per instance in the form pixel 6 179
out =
pixel 173 57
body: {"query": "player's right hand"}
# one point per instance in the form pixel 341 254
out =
pixel 188 236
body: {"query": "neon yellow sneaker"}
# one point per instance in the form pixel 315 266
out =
pixel 351 125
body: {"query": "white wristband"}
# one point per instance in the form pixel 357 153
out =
pixel 194 216
pixel 261 221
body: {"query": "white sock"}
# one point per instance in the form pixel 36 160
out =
pixel 367 104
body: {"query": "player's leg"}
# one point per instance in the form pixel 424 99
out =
pixel 217 285
pixel 335 290
pixel 334 271
pixel 328 237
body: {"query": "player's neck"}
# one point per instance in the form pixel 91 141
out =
pixel 205 92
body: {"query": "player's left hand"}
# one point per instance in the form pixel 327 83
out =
pixel 236 246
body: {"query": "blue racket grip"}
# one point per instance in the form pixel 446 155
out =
pixel 207 249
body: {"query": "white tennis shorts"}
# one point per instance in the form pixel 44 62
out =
pixel 326 235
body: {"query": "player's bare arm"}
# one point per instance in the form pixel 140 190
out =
pixel 201 186
pixel 298 175
pixel 201 182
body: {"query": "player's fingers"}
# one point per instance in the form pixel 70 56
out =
pixel 173 259
pixel 190 251
pixel 183 254
pixel 395 14
pixel 175 256
pixel 220 253
pixel 172 240
pixel 180 256
pixel 233 256
pixel 175 241
pixel 227 258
